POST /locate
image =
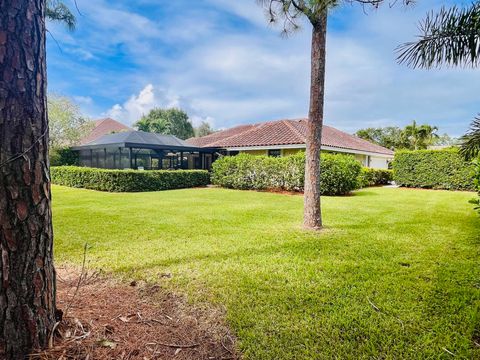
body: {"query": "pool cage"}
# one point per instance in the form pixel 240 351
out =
pixel 143 151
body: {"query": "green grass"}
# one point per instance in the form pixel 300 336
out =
pixel 293 294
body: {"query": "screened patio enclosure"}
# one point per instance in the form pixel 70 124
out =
pixel 144 151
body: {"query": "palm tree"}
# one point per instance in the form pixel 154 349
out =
pixel 289 13
pixel 419 136
pixel 471 141
pixel 450 37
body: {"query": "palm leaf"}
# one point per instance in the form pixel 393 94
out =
pixel 450 37
pixel 470 147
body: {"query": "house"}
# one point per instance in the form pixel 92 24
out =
pixel 287 137
pixel 143 150
pixel 104 127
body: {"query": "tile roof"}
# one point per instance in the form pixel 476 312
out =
pixel 104 127
pixel 283 132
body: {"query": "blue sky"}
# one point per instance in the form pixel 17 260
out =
pixel 221 62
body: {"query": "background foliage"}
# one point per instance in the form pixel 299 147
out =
pixel 127 180
pixel 63 157
pixel 66 124
pixel 433 169
pixel 339 173
pixel 168 122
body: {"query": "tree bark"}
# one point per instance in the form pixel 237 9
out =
pixel 312 218
pixel 27 275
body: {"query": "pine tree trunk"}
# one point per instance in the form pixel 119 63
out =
pixel 312 218
pixel 27 275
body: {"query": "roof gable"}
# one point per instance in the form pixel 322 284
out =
pixel 104 127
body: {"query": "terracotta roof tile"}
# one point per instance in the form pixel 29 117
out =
pixel 283 132
pixel 104 127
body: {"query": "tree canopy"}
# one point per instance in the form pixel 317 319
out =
pixel 67 126
pixel 168 122
pixel 203 129
pixel 412 137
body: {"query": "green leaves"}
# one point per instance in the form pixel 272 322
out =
pixel 470 147
pixel 450 37
pixel 433 169
pixel 248 172
pixel 127 180
pixel 168 122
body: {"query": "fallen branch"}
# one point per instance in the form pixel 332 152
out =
pixel 178 346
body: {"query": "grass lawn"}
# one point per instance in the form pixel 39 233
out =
pixel 396 274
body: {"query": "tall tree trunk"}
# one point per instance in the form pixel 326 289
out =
pixel 312 218
pixel 27 275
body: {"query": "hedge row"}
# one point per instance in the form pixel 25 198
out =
pixel 127 180
pixel 433 169
pixel 374 177
pixel 339 173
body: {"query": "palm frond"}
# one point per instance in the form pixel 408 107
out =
pixel 470 147
pixel 451 37
pixel 59 12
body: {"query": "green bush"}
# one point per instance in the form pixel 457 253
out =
pixel 374 177
pixel 127 180
pixel 433 169
pixel 63 157
pixel 476 181
pixel 339 173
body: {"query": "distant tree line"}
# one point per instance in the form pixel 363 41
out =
pixel 411 137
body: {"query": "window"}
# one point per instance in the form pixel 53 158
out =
pixel 233 153
pixel 275 153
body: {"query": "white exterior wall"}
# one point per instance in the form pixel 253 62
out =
pixel 378 162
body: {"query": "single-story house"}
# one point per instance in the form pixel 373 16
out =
pixel 286 137
pixel 124 148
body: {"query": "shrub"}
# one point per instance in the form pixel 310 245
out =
pixel 127 180
pixel 476 181
pixel 63 157
pixel 339 173
pixel 433 169
pixel 374 177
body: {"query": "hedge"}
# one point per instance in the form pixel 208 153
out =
pixel 374 177
pixel 339 173
pixel 127 180
pixel 433 169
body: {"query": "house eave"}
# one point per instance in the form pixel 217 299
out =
pixel 302 146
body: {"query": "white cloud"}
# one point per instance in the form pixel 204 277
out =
pixel 147 99
pixel 234 69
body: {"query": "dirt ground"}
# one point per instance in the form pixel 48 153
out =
pixel 104 318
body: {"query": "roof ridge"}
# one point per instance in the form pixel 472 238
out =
pixel 254 127
pixel 295 130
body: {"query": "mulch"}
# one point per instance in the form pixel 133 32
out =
pixel 105 318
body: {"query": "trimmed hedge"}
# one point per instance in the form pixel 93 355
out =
pixel 127 180
pixel 375 177
pixel 339 173
pixel 433 169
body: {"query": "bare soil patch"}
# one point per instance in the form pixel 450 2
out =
pixel 105 318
